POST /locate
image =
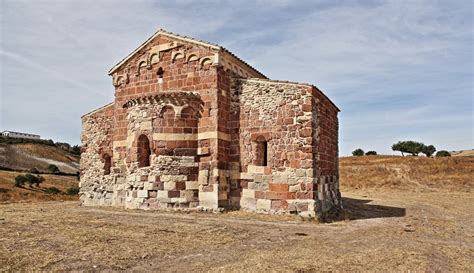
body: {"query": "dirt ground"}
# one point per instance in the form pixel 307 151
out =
pixel 387 230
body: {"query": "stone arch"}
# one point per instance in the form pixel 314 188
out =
pixel 139 66
pixel 192 57
pixel 154 58
pixel 177 55
pixel 187 112
pixel 167 111
pixel 205 61
pixel 143 151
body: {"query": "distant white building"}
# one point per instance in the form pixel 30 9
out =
pixel 20 135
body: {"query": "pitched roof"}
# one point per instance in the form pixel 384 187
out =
pixel 183 38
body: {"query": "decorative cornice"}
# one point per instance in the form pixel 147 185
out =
pixel 174 98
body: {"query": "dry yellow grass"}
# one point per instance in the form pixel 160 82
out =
pixel 48 152
pixel 410 214
pixel 407 173
pixel 9 193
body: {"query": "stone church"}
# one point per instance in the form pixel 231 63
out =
pixel 194 125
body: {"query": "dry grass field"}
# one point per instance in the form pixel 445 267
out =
pixel 11 194
pixel 400 214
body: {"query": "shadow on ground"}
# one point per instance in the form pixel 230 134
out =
pixel 362 209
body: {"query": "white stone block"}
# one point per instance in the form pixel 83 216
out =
pixel 208 199
pixel 248 203
pixel 192 185
pixel 142 194
pixel 169 186
pixel 246 193
pixel 264 204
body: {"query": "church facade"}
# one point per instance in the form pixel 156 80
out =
pixel 192 125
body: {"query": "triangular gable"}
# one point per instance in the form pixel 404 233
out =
pixel 184 39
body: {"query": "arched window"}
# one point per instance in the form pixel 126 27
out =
pixel 107 164
pixel 143 151
pixel 261 152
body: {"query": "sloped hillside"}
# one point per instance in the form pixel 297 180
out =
pixel 9 193
pixel 24 156
pixel 407 173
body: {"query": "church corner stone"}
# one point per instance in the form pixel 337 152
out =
pixel 194 126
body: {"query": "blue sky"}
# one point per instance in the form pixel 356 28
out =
pixel 397 69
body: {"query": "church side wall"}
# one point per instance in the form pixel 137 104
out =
pixel 96 143
pixel 280 115
pixel 326 162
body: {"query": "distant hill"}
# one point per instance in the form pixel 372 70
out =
pixel 24 156
pixel 409 173
pixel 10 194
pixel 462 153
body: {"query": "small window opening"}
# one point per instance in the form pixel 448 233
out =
pixel 160 73
pixel 107 164
pixel 261 152
pixel 144 151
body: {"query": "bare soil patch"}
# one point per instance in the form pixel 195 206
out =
pixel 384 230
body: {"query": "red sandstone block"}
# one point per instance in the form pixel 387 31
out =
pixel 267 170
pixel 306 132
pixel 278 187
pixel 306 107
pixel 304 195
pixel 279 205
pixel 291 195
pixel 295 164
pixel 144 178
pixel 180 185
pixel 244 184
pixel 276 195
pixel 173 194
pixel 260 195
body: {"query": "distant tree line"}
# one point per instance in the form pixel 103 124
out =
pixel 410 147
pixel 75 149
pixel 360 152
pixel 414 148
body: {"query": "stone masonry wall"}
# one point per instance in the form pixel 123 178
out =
pixel 326 163
pixel 280 113
pixel 96 142
pixel 186 130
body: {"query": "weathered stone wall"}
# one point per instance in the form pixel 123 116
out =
pixel 281 113
pixel 187 129
pixel 96 142
pixel 326 162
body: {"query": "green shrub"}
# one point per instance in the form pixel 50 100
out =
pixel 428 150
pixel 72 191
pixel 53 190
pixel 20 180
pixel 409 146
pixel 442 153
pixel 34 179
pixel 53 168
pixel 358 152
pixel 371 153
